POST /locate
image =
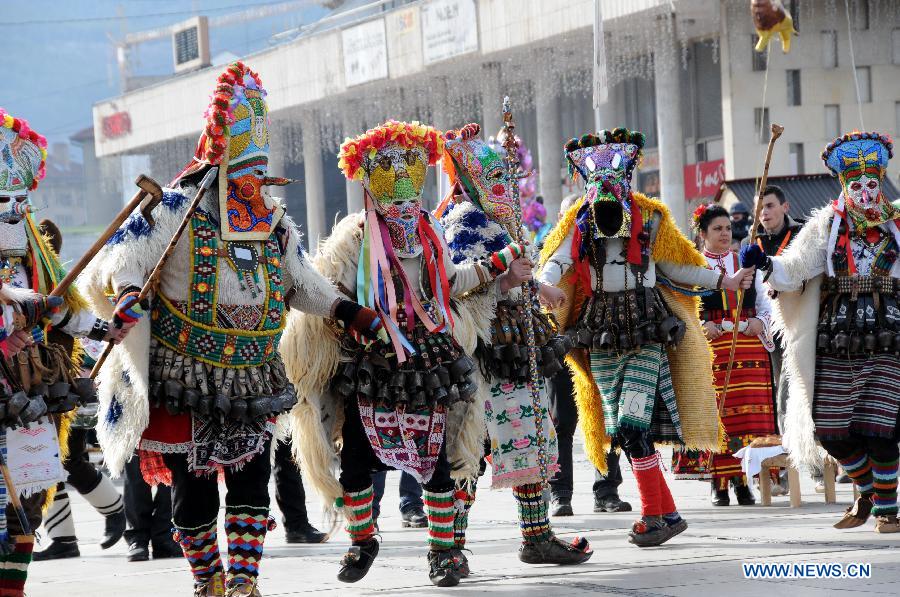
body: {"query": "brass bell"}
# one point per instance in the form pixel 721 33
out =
pixel 86 390
pixel 841 341
pixel 238 410
pixel 190 398
pixel 869 342
pixel 885 340
pixel 823 342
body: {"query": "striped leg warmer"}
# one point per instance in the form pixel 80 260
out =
pixel 105 498
pixel 884 476
pixel 649 481
pixel 58 521
pixel 201 549
pixel 533 512
pixel 246 527
pixel 14 567
pixel 441 514
pixel 358 509
pixel 859 468
pixel 464 497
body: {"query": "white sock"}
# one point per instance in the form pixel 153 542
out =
pixel 105 498
pixel 58 521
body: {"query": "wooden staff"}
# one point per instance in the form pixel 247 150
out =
pixel 153 280
pixel 512 174
pixel 14 496
pixel 757 208
pixel 148 197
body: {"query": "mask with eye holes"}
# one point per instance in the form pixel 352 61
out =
pixel 605 162
pixel 477 167
pixel 860 160
pixel 22 155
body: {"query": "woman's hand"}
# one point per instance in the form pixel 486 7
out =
pixel 551 296
pixel 711 330
pixel 755 327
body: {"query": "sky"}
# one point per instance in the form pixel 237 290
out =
pixel 60 57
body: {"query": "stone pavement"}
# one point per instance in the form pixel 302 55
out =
pixel 705 560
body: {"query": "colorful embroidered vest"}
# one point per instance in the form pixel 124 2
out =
pixel 202 328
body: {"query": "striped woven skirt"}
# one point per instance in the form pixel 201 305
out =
pixel 857 395
pixel 637 392
pixel 749 410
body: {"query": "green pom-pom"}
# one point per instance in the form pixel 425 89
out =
pixel 339 502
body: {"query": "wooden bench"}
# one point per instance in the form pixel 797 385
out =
pixel 782 461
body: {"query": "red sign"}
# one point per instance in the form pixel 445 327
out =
pixel 703 179
pixel 116 125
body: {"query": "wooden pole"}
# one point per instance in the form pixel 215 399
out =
pixel 153 279
pixel 757 208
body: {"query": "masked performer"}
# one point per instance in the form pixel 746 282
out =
pixel 619 255
pixel 838 306
pixel 197 386
pixel 479 218
pixel 407 403
pixel 748 409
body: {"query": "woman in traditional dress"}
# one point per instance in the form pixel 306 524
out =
pixel 749 410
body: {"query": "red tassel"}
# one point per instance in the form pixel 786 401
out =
pixel 637 226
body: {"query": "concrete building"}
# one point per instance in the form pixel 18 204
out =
pixel 683 71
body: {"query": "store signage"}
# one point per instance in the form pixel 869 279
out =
pixel 449 29
pixel 703 179
pixel 116 125
pixel 365 53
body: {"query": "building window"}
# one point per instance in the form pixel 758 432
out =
pixel 761 124
pixel 701 152
pixel 859 14
pixel 793 87
pixel 832 121
pixel 864 78
pixel 897 115
pixel 829 49
pixel 895 45
pixel 759 58
pixel 796 157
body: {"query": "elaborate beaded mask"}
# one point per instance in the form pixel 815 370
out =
pixel 859 160
pixel 22 156
pixel 605 162
pixel 481 172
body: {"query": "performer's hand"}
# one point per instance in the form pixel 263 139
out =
pixel 754 256
pixel 711 330
pixel 18 341
pixel 755 327
pixel 360 319
pixel 742 279
pixel 115 335
pixel 128 309
pixel 502 259
pixel 519 271
pixel 551 296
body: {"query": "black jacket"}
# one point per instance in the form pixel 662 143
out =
pixel 771 242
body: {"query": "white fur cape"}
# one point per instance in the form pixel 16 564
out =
pixel 317 419
pixel 796 315
pixel 131 254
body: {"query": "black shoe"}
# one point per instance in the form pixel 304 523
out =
pixel 719 497
pixel 58 550
pixel 562 507
pixel 305 534
pixel 115 528
pixel 610 503
pixel 358 560
pixel 556 551
pixel 138 552
pixel 744 495
pixel 413 518
pixel 651 531
pixel 462 562
pixel 167 550
pixel 443 568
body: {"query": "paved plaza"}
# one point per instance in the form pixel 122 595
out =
pixel 705 560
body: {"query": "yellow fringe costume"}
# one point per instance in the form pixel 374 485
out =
pixel 693 382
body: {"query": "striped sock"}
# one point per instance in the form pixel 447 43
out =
pixel 667 502
pixel 440 511
pixel 105 498
pixel 358 506
pixel 885 486
pixel 14 567
pixel 58 521
pixel 464 498
pixel 246 528
pixel 648 477
pixel 201 549
pixel 533 512
pixel 859 468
